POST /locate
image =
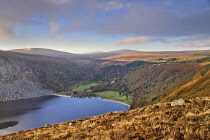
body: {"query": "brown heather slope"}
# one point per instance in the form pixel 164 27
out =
pixel 198 86
pixel 160 56
pixel 190 121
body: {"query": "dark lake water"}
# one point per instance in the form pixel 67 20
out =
pixel 37 112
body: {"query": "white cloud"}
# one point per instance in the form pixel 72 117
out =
pixel 197 43
pixel 113 5
pixel 133 40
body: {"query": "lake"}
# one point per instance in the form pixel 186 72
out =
pixel 37 112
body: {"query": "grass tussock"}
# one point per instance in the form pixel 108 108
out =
pixel 160 121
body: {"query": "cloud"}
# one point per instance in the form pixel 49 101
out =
pixel 201 43
pixel 113 5
pixel 133 40
pixel 159 18
pixel 5 33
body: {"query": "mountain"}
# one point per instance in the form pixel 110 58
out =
pixel 154 122
pixel 163 56
pixel 55 53
pixel 147 82
pixel 42 51
pixel 26 76
pixel 17 81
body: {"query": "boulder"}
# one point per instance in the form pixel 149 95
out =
pixel 178 102
pixel 72 123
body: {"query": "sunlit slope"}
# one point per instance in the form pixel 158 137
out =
pixel 160 56
pixel 197 87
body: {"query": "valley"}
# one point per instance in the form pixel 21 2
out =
pixel 147 81
pixel 144 82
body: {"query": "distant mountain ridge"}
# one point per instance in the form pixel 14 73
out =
pixel 159 56
pixel 43 51
pixel 55 53
pixel 97 55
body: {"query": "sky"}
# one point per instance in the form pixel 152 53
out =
pixel 81 26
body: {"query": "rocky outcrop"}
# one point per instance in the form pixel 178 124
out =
pixel 178 102
pixel 17 81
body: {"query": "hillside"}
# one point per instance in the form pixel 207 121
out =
pixel 160 121
pixel 198 86
pixel 150 83
pixel 165 56
pixel 17 81
pixel 25 76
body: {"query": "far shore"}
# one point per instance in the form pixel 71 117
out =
pixel 117 102
pixel 92 97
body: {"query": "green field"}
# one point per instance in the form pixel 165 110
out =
pixel 83 87
pixel 114 96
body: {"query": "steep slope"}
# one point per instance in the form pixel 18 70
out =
pixel 198 86
pixel 150 83
pixel 17 81
pixel 25 75
pixel 155 122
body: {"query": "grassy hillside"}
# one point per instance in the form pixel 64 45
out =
pixel 84 87
pixel 115 96
pixel 198 86
pixel 155 122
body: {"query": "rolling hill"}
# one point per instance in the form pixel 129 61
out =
pixel 43 51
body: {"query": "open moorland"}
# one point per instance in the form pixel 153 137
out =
pixel 178 56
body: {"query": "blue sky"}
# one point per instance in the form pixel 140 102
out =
pixel 80 26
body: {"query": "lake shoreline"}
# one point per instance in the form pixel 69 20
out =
pixel 92 97
pixel 116 101
pixel 70 108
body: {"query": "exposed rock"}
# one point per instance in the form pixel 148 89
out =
pixel 17 81
pixel 85 122
pixel 72 123
pixel 178 102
